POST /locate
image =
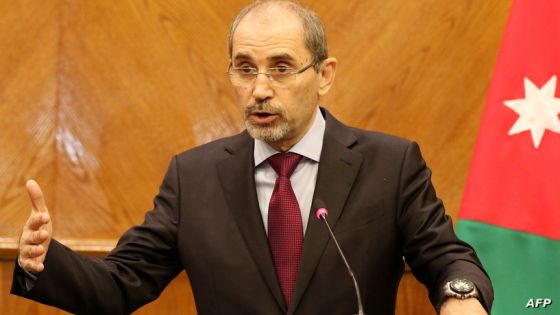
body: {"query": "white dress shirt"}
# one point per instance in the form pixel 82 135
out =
pixel 304 176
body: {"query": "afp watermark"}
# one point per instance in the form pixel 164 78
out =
pixel 539 303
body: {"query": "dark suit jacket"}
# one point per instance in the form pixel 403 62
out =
pixel 206 220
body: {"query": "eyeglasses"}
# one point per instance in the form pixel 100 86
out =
pixel 245 76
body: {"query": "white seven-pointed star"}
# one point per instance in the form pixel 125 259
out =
pixel 538 111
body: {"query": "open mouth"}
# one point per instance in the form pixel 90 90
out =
pixel 263 114
pixel 263 117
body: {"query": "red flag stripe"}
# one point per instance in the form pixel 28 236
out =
pixel 511 184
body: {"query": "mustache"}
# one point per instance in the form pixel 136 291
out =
pixel 265 106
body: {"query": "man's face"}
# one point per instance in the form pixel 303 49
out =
pixel 278 113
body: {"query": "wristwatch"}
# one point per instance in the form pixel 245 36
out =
pixel 460 288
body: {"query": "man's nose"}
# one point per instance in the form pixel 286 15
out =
pixel 262 88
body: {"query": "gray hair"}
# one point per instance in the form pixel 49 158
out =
pixel 314 35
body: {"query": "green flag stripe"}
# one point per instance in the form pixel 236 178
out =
pixel 523 267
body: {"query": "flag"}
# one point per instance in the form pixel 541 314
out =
pixel 510 212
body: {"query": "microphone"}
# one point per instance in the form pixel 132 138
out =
pixel 321 213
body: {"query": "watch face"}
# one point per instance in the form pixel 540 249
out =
pixel 461 286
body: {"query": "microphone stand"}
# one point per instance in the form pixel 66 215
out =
pixel 323 217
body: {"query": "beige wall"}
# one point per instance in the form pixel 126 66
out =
pixel 96 96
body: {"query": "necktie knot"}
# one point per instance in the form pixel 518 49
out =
pixel 284 164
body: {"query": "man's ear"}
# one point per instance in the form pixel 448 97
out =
pixel 327 74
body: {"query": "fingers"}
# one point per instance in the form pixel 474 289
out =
pixel 31 257
pixel 36 234
pixel 34 237
pixel 32 249
pixel 37 229
pixel 37 220
pixel 31 265
pixel 36 196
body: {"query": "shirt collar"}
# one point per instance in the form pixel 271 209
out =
pixel 309 146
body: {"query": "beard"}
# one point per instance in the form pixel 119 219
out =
pixel 269 132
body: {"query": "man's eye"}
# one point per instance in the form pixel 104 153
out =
pixel 246 70
pixel 281 70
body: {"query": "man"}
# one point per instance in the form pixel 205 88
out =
pixel 241 224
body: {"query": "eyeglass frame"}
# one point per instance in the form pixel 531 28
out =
pixel 268 74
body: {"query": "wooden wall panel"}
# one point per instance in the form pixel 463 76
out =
pixel 418 69
pixel 28 113
pixel 412 298
pixel 96 96
pixel 125 64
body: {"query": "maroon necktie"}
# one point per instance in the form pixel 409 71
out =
pixel 285 229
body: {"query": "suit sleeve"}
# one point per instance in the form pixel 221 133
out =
pixel 430 245
pixel 133 274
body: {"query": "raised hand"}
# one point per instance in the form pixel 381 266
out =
pixel 37 231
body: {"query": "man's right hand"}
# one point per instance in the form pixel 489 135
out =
pixel 37 232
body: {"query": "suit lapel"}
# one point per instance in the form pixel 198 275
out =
pixel 236 174
pixel 338 168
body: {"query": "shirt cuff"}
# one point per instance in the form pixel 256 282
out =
pixel 29 277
